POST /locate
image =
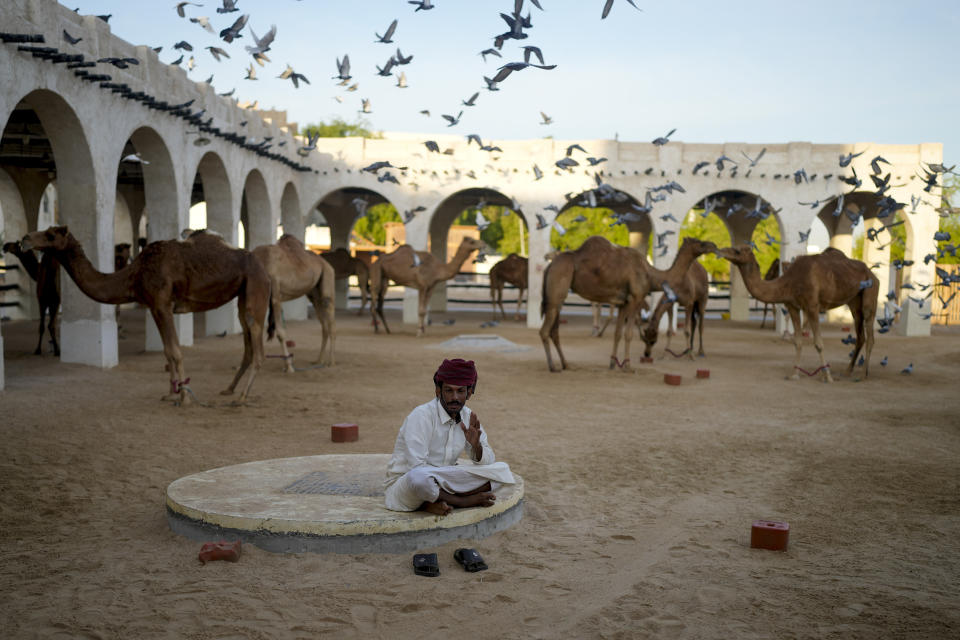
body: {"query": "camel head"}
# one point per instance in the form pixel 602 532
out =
pixel 699 247
pixel 649 337
pixel 11 247
pixel 56 238
pixel 472 244
pixel 741 254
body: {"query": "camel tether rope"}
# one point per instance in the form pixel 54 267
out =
pixel 815 371
pixel 678 355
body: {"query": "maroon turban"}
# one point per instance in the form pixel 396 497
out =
pixel 460 373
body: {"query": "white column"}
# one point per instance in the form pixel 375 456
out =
pixel 182 324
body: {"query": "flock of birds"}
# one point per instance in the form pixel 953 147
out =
pixel 518 26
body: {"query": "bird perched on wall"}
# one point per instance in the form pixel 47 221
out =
pixel 723 158
pixel 382 164
pixel 124 63
pixel 698 166
pixel 537 173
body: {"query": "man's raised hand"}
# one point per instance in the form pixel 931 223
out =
pixel 472 433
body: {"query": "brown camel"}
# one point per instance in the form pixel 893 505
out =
pixel 198 274
pixel 513 270
pixel 418 269
pixel 772 273
pixel 693 295
pixel 46 273
pixel 121 258
pixel 345 266
pixel 603 272
pixel 813 284
pixel 295 271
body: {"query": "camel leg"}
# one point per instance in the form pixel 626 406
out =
pixel 797 337
pixel 323 307
pixel 423 301
pixel 171 350
pixel 700 309
pixel 813 321
pixel 281 331
pixel 378 284
pixel 364 294
pixel 596 309
pixel 251 319
pixel 39 350
pixel 690 323
pixel 495 294
pixel 549 330
pixel 520 291
pixel 869 308
pixel 858 327
pixel 617 335
pixel 764 321
pixel 52 326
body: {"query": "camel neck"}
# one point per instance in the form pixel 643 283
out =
pixel 677 271
pixel 452 268
pixel 29 261
pixel 763 290
pixel 108 288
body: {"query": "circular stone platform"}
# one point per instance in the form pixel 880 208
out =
pixel 480 342
pixel 322 504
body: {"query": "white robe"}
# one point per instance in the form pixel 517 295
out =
pixel 429 444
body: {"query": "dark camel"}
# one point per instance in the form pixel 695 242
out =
pixel 417 269
pixel 512 270
pixel 608 274
pixel 693 293
pixel 198 274
pixel 295 271
pixel 813 284
pixel 345 266
pixel 46 273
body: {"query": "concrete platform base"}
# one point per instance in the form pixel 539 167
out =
pixel 323 504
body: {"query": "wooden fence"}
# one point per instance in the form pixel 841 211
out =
pixel 951 313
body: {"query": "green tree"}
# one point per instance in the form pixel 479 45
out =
pixel 949 220
pixel 371 227
pixel 598 223
pixel 711 228
pixel 340 128
pixel 766 236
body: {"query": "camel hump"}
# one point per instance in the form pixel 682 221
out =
pixel 290 241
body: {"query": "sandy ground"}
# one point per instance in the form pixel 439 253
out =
pixel 640 496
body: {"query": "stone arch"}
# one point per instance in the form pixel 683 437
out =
pixel 211 185
pixel 342 208
pixel 290 214
pixel 636 219
pixel 13 224
pixel 149 188
pixel 256 214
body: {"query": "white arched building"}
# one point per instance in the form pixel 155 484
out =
pixel 70 121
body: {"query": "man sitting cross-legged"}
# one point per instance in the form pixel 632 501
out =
pixel 423 473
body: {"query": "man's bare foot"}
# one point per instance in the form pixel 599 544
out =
pixel 482 499
pixel 438 508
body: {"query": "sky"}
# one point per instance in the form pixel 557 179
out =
pixel 754 71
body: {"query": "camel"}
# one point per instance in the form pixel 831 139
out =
pixel 813 284
pixel 46 273
pixel 772 273
pixel 693 295
pixel 121 257
pixel 295 271
pixel 418 269
pixel 603 272
pixel 198 274
pixel 345 266
pixel 512 269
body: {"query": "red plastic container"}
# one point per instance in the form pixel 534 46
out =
pixel 769 534
pixel 703 373
pixel 646 359
pixel 345 432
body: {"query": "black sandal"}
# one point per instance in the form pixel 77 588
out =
pixel 426 564
pixel 470 560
